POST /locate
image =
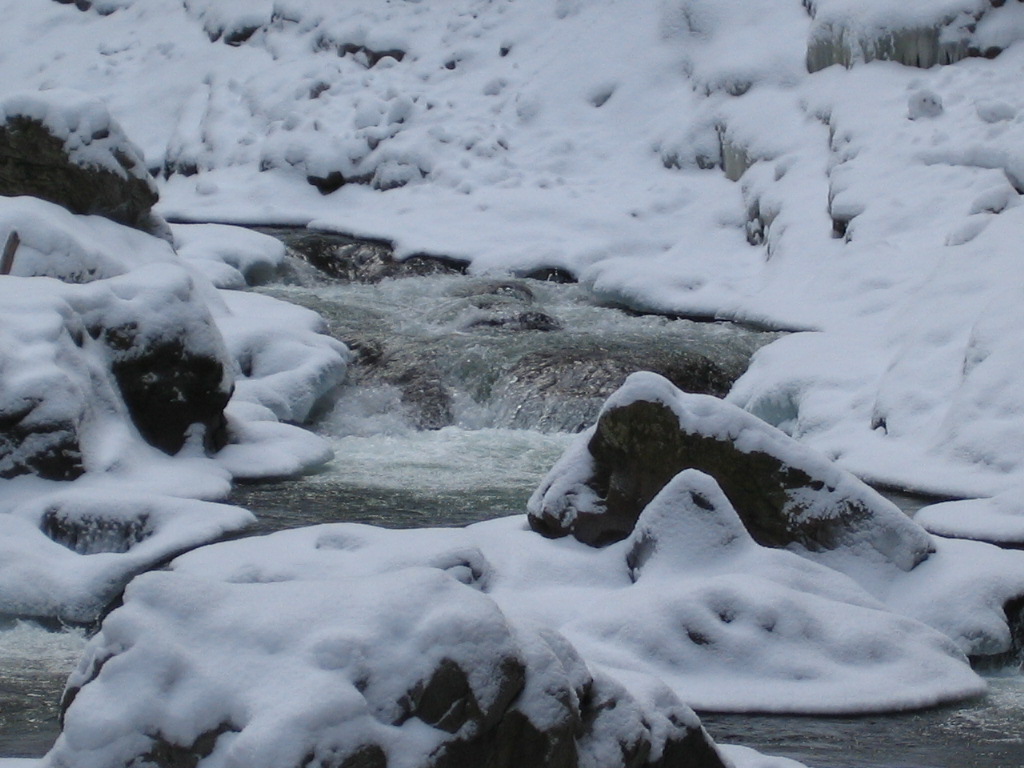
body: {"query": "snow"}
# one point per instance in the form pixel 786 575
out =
pixel 75 249
pixel 114 506
pixel 881 531
pixel 287 362
pixel 91 138
pixel 508 161
pixel 96 541
pixel 330 624
pixel 229 256
pixel 677 156
pixel 998 519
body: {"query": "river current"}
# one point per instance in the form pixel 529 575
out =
pixel 464 392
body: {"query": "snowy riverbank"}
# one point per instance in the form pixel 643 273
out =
pixel 875 206
pixel 792 165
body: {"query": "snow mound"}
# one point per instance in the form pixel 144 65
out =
pixel 409 668
pixel 646 614
pixel 999 519
pixel 230 257
pixel 75 249
pixel 285 360
pixel 724 620
pixel 67 554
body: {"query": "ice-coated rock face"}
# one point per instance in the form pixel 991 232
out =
pixel 63 146
pixel 409 667
pixel 917 34
pixel 785 493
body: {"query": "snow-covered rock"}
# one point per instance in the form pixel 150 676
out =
pixel 411 668
pixel 998 519
pixel 786 494
pixel 67 553
pixel 63 146
pixel 456 646
pixel 118 360
pixel 230 257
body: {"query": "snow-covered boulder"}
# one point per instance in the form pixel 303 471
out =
pixel 74 249
pixel 142 345
pixel 167 357
pixel 411 667
pixel 785 493
pixel 64 146
pixel 230 257
pixel 45 388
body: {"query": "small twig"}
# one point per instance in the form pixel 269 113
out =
pixel 7 263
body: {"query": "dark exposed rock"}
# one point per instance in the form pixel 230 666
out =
pixel 166 754
pixel 616 732
pixel 446 699
pixel 335 180
pixel 693 750
pixel 30 445
pixel 784 493
pixel 515 742
pixel 371 56
pixel 90 534
pixel 35 162
pixel 428 399
pixel 366 756
pixel 565 386
pixel 360 261
pixel 368 56
pixel 236 37
pixel 169 386
pixel 594 371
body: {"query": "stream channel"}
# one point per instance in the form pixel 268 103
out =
pixel 463 393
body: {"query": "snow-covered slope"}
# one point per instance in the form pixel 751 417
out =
pixel 676 154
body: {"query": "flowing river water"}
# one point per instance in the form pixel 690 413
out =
pixel 465 390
